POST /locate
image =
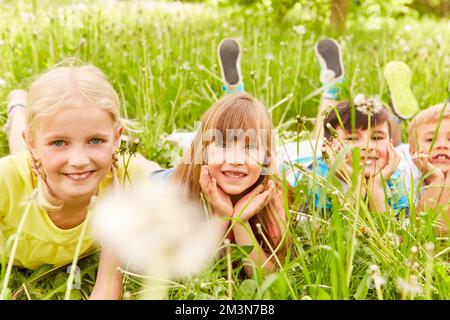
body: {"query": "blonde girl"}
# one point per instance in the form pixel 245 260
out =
pixel 63 138
pixel 230 163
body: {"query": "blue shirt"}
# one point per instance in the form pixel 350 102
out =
pixel 162 174
pixel 396 188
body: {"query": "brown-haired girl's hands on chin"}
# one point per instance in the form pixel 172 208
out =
pixel 253 202
pixel 423 163
pixel 219 200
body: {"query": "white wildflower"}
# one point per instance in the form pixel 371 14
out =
pixel 410 286
pixel 2 82
pixel 270 57
pixel 152 224
pixel 300 29
pixel 408 28
pixel 186 66
pixel 423 52
pixel 429 246
pixel 414 249
pixel 359 99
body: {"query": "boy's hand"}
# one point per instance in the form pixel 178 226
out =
pixel 253 202
pixel 423 163
pixel 391 165
pixel 219 200
pixel 345 170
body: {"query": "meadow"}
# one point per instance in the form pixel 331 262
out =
pixel 162 60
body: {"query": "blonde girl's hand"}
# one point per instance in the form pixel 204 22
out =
pixel 253 202
pixel 423 163
pixel 219 200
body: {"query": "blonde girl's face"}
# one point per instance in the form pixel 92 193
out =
pixel 236 165
pixel 373 145
pixel 75 146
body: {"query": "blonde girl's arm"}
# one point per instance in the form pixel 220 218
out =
pixel 108 285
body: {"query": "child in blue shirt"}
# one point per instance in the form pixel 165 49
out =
pixel 370 132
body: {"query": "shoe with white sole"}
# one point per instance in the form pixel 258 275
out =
pixel 229 54
pixel 398 78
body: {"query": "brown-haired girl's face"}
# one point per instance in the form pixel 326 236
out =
pixel 235 163
pixel 373 144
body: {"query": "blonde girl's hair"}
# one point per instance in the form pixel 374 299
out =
pixel 61 86
pixel 429 115
pixel 235 111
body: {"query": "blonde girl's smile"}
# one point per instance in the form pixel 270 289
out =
pixel 75 148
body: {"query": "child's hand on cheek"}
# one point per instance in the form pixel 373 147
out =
pixel 253 202
pixel 423 163
pixel 219 200
pixel 391 164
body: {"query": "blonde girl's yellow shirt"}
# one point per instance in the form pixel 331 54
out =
pixel 41 241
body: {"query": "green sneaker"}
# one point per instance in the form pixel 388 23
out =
pixel 398 78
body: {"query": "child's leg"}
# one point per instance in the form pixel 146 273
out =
pixel 16 121
pixel 229 54
pixel 328 53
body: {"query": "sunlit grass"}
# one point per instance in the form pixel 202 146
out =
pixel 163 64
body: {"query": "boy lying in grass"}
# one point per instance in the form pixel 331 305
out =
pixel 368 131
pixel 429 145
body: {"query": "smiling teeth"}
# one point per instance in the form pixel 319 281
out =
pixel 78 176
pixel 234 174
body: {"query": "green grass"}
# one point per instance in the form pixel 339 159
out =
pixel 163 64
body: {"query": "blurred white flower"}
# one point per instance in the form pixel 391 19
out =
pixel 410 286
pixel 152 225
pixel 408 28
pixel 359 99
pixel 186 66
pixel 270 57
pixel 423 52
pixel 2 82
pixel 300 29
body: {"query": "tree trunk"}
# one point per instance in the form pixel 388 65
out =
pixel 339 12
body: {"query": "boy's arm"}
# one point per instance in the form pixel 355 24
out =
pixel 444 200
pixel 108 285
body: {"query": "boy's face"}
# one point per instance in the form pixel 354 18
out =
pixel 440 154
pixel 373 144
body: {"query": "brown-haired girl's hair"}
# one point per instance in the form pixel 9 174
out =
pixel 238 111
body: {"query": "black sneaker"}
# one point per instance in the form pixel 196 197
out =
pixel 229 53
pixel 328 51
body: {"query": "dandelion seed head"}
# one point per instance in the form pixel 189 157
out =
pixel 152 223
pixel 410 286
pixel 429 246
pixel 270 57
pixel 300 29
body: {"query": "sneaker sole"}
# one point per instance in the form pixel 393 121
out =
pixel 229 57
pixel 329 54
pixel 398 78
